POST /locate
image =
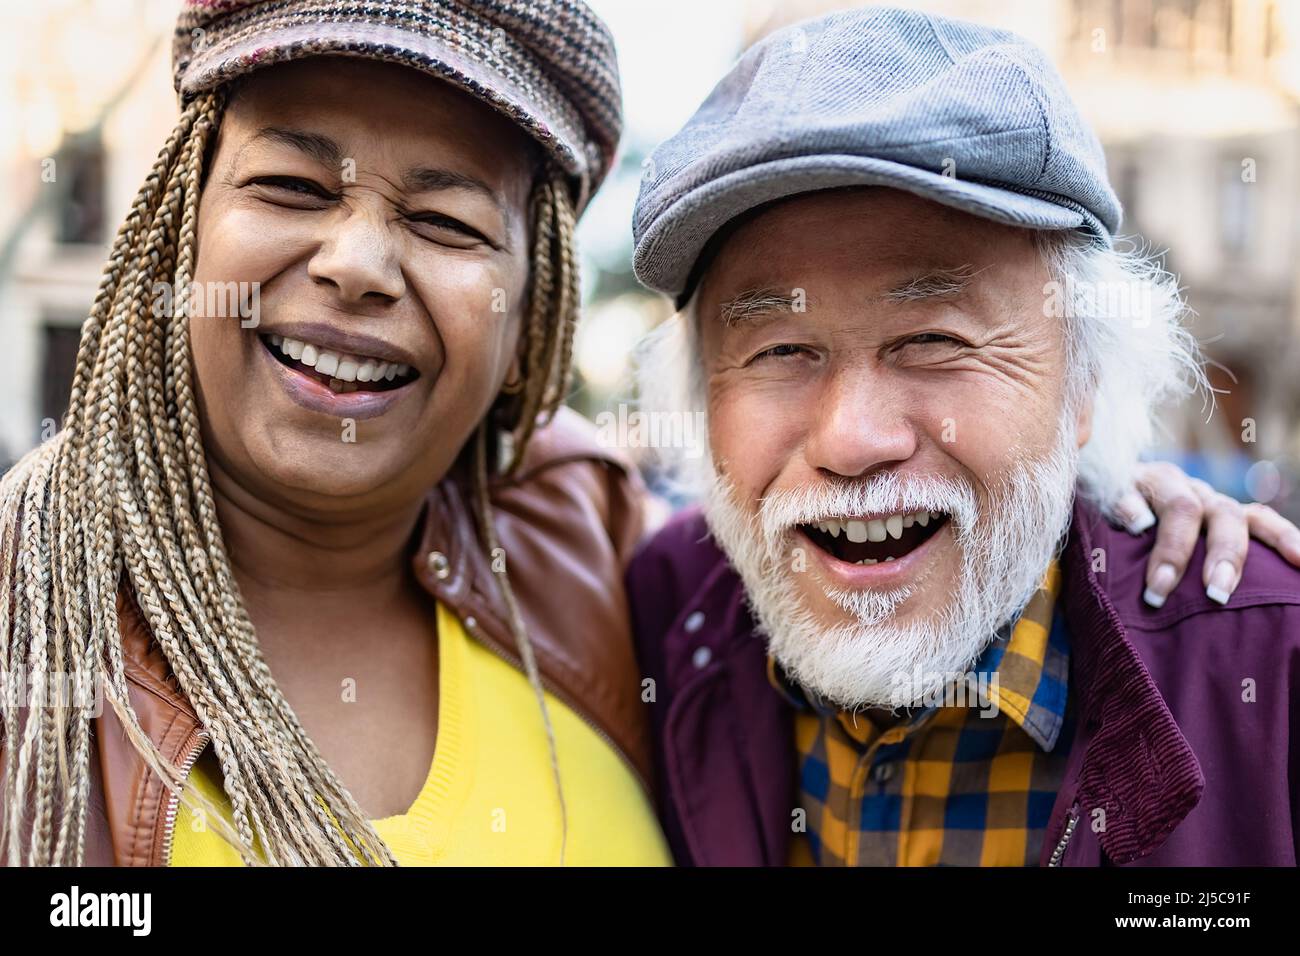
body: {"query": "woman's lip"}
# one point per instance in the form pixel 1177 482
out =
pixel 333 339
pixel 883 575
pixel 313 396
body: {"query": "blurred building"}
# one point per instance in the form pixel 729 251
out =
pixel 85 104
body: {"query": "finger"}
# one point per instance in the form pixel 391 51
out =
pixel 1134 513
pixel 1227 536
pixel 1179 509
pixel 1269 527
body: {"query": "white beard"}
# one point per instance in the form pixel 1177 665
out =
pixel 872 660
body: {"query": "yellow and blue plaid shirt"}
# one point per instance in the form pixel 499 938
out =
pixel 949 785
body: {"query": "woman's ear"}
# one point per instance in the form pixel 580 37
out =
pixel 514 383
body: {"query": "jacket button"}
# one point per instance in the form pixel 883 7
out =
pixel 882 772
pixel 439 565
pixel 701 657
pixel 694 622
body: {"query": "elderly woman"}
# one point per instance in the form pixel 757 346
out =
pixel 348 581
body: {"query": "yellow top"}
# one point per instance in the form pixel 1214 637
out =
pixel 490 795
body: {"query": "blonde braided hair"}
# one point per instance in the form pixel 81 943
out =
pixel 123 490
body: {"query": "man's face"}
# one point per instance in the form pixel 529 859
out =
pixel 887 423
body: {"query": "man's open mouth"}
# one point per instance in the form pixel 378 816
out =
pixel 874 540
pixel 339 371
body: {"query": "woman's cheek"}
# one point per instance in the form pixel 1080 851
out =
pixel 244 243
pixel 477 315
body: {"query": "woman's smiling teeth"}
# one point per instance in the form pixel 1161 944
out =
pixel 340 371
pixel 874 540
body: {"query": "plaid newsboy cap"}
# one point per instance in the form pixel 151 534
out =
pixel 548 65
pixel 964 115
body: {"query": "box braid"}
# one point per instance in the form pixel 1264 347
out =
pixel 123 491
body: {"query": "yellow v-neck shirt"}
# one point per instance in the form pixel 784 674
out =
pixel 489 799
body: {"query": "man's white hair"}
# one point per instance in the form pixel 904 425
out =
pixel 1127 351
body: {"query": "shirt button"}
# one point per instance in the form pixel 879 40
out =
pixel 882 772
pixel 701 657
pixel 439 565
pixel 694 622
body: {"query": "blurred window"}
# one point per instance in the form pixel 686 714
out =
pixel 1274 41
pixel 1125 178
pixel 1236 206
pixel 1200 28
pixel 58 363
pixel 81 168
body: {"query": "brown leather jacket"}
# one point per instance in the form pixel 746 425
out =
pixel 567 522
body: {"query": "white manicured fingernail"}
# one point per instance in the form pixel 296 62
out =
pixel 1221 582
pixel 1161 585
pixel 1142 522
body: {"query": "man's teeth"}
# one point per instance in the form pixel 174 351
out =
pixel 341 368
pixel 876 529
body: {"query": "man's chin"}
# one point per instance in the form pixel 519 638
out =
pixel 838 608
pixel 847 658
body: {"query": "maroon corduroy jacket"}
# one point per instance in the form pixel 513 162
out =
pixel 1189 737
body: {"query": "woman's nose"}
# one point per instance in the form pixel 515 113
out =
pixel 359 259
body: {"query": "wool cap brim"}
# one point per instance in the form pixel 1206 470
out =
pixel 668 257
pixel 547 65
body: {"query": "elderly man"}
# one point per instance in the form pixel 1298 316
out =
pixel 907 639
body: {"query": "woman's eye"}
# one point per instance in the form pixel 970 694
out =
pixel 443 228
pixel 293 186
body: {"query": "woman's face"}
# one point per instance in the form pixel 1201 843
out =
pixel 378 220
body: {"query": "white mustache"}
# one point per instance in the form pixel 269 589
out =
pixel 887 493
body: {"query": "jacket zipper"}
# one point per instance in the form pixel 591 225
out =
pixel 174 796
pixel 1070 824
pixel 518 664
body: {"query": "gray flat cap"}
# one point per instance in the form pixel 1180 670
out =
pixel 964 115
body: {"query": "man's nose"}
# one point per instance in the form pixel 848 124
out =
pixel 861 425
pixel 358 258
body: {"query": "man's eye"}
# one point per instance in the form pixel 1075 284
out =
pixel 932 338
pixel 779 351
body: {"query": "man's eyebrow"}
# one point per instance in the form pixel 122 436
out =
pixel 752 305
pixel 934 284
pixel 316 145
